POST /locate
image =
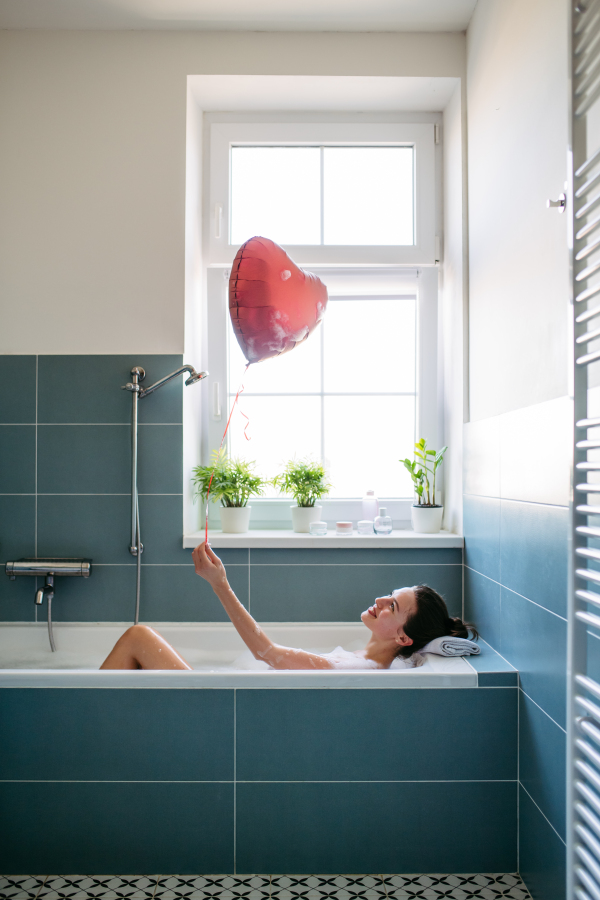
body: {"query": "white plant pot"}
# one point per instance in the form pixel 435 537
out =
pixel 426 519
pixel 235 519
pixel 302 516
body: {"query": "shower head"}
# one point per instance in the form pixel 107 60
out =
pixel 195 376
pixel 143 392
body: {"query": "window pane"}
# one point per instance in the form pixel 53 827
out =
pixel 370 345
pixel 368 195
pixel 280 428
pixel 275 192
pixel 365 437
pixel 298 371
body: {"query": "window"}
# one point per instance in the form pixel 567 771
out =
pixel 335 180
pixel 323 195
pixel 355 205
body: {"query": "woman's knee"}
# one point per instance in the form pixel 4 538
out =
pixel 138 632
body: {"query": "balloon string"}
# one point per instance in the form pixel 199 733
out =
pixel 239 391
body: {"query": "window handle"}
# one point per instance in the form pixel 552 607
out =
pixel 218 219
pixel 216 401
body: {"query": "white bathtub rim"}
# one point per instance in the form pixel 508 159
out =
pixel 464 676
pixel 222 638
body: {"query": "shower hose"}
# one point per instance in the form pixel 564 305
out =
pixel 138 542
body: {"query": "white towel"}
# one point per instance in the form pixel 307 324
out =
pixel 451 646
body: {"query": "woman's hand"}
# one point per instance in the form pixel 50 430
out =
pixel 208 566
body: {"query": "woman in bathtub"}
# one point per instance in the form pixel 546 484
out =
pixel 400 625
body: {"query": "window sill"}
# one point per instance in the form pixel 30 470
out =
pixel 286 540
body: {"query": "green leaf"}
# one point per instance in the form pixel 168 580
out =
pixel 231 480
pixel 304 480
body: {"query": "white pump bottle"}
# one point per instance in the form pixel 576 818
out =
pixel 370 506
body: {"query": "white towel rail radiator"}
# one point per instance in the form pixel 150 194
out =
pixel 583 208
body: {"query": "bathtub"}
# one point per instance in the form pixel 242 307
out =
pixel 216 652
pixel 251 770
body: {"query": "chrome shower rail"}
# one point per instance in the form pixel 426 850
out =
pixel 136 548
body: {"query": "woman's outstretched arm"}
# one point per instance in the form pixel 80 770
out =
pixel 209 566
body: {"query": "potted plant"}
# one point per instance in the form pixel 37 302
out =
pixel 233 483
pixel 426 515
pixel 305 481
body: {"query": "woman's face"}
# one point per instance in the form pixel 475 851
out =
pixel 387 616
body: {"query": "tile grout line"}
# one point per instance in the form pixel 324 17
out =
pixel 514 669
pixel 259 781
pixel 42 885
pixel 515 500
pixel 93 424
pixel 35 540
pixel 36 457
pixel 463 580
pixel 344 565
pixel 545 817
pixel 525 694
pixel 516 593
pixel 235 781
pixel 518 782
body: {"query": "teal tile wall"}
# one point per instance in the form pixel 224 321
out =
pixel 516 592
pixel 117 827
pixel 205 781
pixel 273 821
pixel 64 491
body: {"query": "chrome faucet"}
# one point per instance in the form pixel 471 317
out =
pixel 47 591
pixel 48 567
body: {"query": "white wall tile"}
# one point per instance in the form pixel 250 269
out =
pixel 535 452
pixel 481 461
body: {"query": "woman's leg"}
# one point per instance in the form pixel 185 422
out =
pixel 143 648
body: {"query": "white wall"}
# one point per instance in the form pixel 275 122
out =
pixel 92 169
pixel 453 308
pixel 517 140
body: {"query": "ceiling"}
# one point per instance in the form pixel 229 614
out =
pixel 239 15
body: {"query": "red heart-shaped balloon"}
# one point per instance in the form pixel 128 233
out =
pixel 273 304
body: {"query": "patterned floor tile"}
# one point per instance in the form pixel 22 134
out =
pixel 102 887
pixel 20 887
pixel 320 887
pixel 211 887
pixel 455 887
pixel 263 887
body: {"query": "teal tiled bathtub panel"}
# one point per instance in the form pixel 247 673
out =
pixel 200 781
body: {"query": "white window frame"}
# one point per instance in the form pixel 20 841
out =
pixel 419 136
pixel 412 266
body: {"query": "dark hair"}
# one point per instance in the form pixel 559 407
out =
pixel 431 620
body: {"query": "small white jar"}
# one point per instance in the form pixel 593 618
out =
pixel 343 527
pixel 365 526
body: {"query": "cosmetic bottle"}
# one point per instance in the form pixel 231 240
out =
pixel 370 506
pixel 382 523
